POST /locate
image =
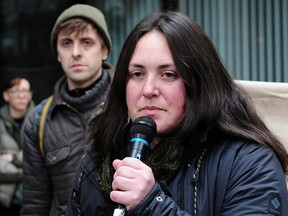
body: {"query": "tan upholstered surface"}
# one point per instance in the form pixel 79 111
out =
pixel 271 102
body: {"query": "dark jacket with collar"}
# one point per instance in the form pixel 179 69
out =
pixel 48 181
pixel 235 178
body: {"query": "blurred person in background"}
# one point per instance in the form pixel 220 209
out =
pixel 18 105
pixel 81 42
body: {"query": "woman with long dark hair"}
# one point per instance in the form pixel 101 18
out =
pixel 211 155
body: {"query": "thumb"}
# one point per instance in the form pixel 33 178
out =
pixel 116 163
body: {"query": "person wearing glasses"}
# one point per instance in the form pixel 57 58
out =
pixel 17 95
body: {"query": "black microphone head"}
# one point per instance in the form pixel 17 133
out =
pixel 144 125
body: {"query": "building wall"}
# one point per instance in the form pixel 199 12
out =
pixel 250 35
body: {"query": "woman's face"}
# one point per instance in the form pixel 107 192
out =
pixel 154 87
pixel 18 96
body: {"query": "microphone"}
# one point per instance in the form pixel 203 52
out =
pixel 142 132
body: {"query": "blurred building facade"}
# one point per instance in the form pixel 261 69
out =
pixel 250 35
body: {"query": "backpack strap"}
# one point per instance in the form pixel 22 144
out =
pixel 40 121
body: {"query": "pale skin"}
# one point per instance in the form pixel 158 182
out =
pixel 81 55
pixel 18 98
pixel 154 88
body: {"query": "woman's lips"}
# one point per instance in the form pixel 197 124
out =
pixel 150 110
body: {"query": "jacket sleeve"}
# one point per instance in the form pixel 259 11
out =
pixel 18 159
pixel 256 185
pixel 157 203
pixel 37 187
pixel 9 171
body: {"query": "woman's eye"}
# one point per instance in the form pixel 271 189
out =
pixel 136 74
pixel 169 74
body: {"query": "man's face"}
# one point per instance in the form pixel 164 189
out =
pixel 81 55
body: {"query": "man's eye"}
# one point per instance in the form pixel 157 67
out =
pixel 66 43
pixel 87 42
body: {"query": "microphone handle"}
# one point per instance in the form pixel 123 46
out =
pixel 138 150
pixel 119 210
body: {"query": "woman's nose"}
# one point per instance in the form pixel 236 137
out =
pixel 150 88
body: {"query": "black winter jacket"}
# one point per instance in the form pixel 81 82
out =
pixel 48 181
pixel 235 178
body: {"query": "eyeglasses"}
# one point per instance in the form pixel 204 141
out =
pixel 23 92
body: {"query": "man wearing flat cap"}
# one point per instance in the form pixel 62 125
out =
pixel 81 43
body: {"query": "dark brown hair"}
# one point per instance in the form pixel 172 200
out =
pixel 213 98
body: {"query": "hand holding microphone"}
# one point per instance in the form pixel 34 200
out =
pixel 133 179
